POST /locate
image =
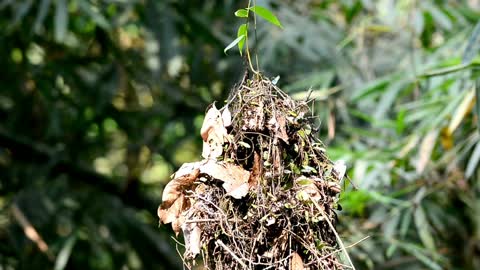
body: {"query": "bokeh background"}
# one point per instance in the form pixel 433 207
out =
pixel 101 101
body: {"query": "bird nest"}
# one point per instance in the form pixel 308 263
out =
pixel 265 195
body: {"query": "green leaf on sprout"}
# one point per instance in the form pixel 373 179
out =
pixel 241 13
pixel 267 15
pixel 233 43
pixel 242 31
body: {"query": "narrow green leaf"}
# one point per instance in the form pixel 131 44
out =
pixel 447 70
pixel 61 20
pixel 473 45
pixel 477 101
pixel 388 99
pixel 374 87
pixel 65 252
pixel 473 161
pixel 242 31
pixel 266 14
pixel 233 43
pixel 242 13
pixel 21 11
pixel 423 228
pixel 94 14
pixel 417 253
pixel 41 14
pixel 407 219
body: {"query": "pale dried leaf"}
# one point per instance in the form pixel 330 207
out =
pixel 340 168
pixel 211 120
pixel 191 234
pixel 235 178
pixel 462 110
pixel 187 169
pixel 426 149
pixel 296 262
pixel 213 133
pixel 226 117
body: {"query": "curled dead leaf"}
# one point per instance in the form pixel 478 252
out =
pixel 234 178
pixel 174 201
pixel 213 133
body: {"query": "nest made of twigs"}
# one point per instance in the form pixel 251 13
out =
pixel 264 196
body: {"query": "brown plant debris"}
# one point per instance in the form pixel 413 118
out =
pixel 264 196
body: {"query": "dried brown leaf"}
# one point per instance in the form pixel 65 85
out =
pixel 426 149
pixel 174 201
pixel 172 213
pixel 296 263
pixel 256 170
pixel 234 178
pixel 176 186
pixel 213 133
pixel 282 128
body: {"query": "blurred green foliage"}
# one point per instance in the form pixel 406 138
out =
pixel 101 101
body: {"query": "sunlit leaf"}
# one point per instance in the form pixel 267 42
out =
pixel 426 149
pixel 242 13
pixel 64 254
pixel 266 14
pixel 233 43
pixel 462 110
pixel 242 31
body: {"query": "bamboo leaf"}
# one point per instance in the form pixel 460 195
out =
pixel 462 110
pixel 423 228
pixel 64 254
pixel 233 43
pixel 473 161
pixel 242 31
pixel 266 14
pixel 242 13
pixel 477 101
pixel 473 45
pixel 448 70
pixel 426 149
pixel 417 253
pixel 96 16
pixel 42 13
pixel 61 20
